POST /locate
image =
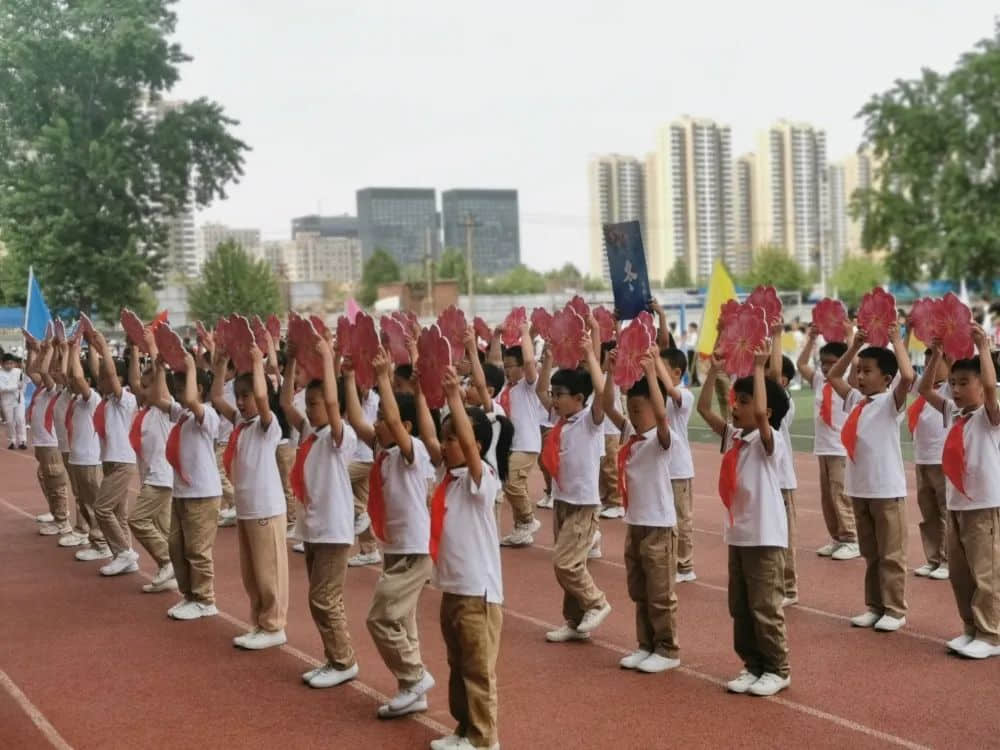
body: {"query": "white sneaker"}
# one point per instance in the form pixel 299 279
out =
pixel 54 529
pixel 866 620
pixel 360 560
pixel 306 676
pixel 613 511
pixel 194 611
pixel 978 649
pixel 846 551
pixel 406 696
pixel 227 517
pixel 300 548
pixel 789 601
pixel 634 659
pixel 565 633
pixel 361 523
pixel 446 743
pixel 546 502
pixel 92 553
pixel 124 562
pixel 593 618
pixel 595 553
pixel 827 549
pixel 742 683
pixel 164 574
pixel 957 644
pixel 522 535
pixel 259 640
pixel 924 570
pixel 328 676
pixel 686 577
pixel 45 518
pixel 385 712
pixel 890 624
pixel 72 539
pixel 181 603
pixel 155 588
pixel 940 573
pixel 656 664
pixel 770 684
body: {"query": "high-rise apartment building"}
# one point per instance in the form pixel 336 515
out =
pixel 183 252
pixel 398 220
pixel 326 226
pixel 210 236
pixel 617 187
pixel 837 219
pixel 745 238
pixel 496 227
pixel 859 174
pixel 317 258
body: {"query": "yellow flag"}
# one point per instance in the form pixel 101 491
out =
pixel 720 290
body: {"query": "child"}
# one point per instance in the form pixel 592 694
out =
pixel 757 528
pixel 829 450
pixel 12 401
pixel 781 370
pixel 680 403
pixel 197 494
pixel 360 470
pixel 876 482
pixel 325 522
pixel 55 415
pixel 521 405
pixel 467 571
pixel 611 501
pixel 251 464
pixel 650 517
pixel 227 511
pixel 397 507
pixel 572 453
pixel 150 518
pixel 929 434
pixel 548 421
pixel 970 464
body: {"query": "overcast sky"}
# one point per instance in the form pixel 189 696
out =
pixel 334 96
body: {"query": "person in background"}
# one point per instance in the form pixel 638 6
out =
pixel 12 384
pixel 691 343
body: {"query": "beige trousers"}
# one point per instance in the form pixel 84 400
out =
pixel 359 474
pixel 112 504
pixel 392 619
pixel 150 521
pixel 193 524
pixel 608 475
pixel 228 493
pixel 575 526
pixel 837 510
pixel 756 588
pixel 326 565
pixel 650 570
pixel 88 483
pixel 545 472
pixel 791 577
pixel 54 483
pixel 974 555
pixel 684 506
pixel 516 487
pixel 933 506
pixel 264 567
pixel 285 456
pixel 882 538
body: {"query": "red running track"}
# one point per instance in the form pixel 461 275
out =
pixel 87 662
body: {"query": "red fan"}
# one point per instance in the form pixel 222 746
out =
pixel 59 330
pixel 85 327
pixel 567 336
pixel 259 333
pixel 952 323
pixel 510 334
pixel 633 343
pixel 133 329
pixel 606 323
pixel 453 326
pixel 766 298
pixel 829 317
pixel 728 313
pixel 541 319
pixel 435 357
pixel 742 338
pixel 302 338
pixel 406 319
pixel 922 319
pixel 170 346
pixel 201 332
pixel 394 340
pixel 344 331
pixel 647 322
pixel 240 339
pixel 274 328
pixel 364 347
pixel 580 307
pixel 221 335
pixel 482 330
pixel 876 313
pixel 318 324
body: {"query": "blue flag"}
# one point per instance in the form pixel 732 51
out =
pixel 627 266
pixel 36 312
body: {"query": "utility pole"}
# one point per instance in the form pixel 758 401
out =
pixel 470 225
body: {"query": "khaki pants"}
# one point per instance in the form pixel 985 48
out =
pixel 650 570
pixel 359 474
pixel 392 619
pixel 575 526
pixel 264 567
pixel 684 506
pixel 228 493
pixel 791 578
pixel 934 513
pixel 285 456
pixel 326 565
pixel 80 526
pixel 193 524
pixel 88 483
pixel 545 472
pixel 974 552
pixel 53 481
pixel 607 477
pixel 111 507
pixel 837 510
pixel 471 629
pixel 516 487
pixel 882 539
pixel 756 588
pixel 150 521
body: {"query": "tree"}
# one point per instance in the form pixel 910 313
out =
pixel 933 202
pixel 594 284
pixel 519 280
pixel 856 277
pixel 94 161
pixel 774 266
pixel 381 268
pixel 567 277
pixel 679 276
pixel 233 282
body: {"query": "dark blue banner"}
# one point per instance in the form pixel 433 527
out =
pixel 627 267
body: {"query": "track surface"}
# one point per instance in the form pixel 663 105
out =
pixel 87 662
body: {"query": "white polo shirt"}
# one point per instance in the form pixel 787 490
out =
pixel 225 426
pixel 681 461
pixel 40 437
pixel 581 450
pixel 758 508
pixel 876 473
pixel 197 454
pixel 827 440
pixel 154 469
pixel 328 516
pixel 85 446
pixel 982 462
pixel 404 486
pixel 787 467
pixel 118 413
pixel 468 561
pixel 647 476
pixel 610 428
pixel 59 418
pixel 528 415
pixel 257 488
pixel 928 440
pixel 363 454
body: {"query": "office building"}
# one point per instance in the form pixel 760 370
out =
pixel 617 186
pixel 496 233
pixel 210 236
pixel 401 221
pixel 311 257
pixel 326 226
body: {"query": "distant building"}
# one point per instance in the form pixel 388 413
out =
pixel 617 187
pixel 210 236
pixel 401 221
pixel 311 258
pixel 744 240
pixel 496 234
pixel 326 226
pixel 184 255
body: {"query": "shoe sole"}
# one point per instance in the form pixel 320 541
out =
pixel 170 585
pixel 246 647
pixel 418 706
pixel 133 568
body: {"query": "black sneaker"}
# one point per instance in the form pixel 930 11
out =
pixel 11 447
pixel 23 446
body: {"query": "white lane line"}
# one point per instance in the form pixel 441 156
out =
pixel 37 717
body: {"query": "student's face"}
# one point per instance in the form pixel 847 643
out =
pixel 450 447
pixel 640 413
pixel 8 365
pixel 513 370
pixel 826 363
pixel 145 387
pixel 676 374
pixel 565 405
pixel 472 396
pixel 966 390
pixel 301 378
pixel 382 432
pixel 871 380
pixel 742 412
pixel 104 384
pixel 316 408
pixel 245 402
pixel 402 385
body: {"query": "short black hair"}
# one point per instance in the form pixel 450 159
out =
pixel 404 371
pixel 833 349
pixel 971 365
pixel 494 377
pixel 515 353
pixel 407 404
pixel 675 358
pixel 641 389
pixel 884 359
pixel 787 367
pixel 607 346
pixel 577 381
pixel 8 357
pixel 777 399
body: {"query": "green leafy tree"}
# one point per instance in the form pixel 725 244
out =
pixel 93 159
pixel 856 277
pixel 451 266
pixel 774 266
pixel 519 280
pixel 595 284
pixel 233 282
pixel 679 276
pixel 381 268
pixel 567 277
pixel 933 203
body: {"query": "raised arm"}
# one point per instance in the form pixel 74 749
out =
pixel 926 386
pixel 219 363
pixel 608 393
pixel 32 360
pixel 705 398
pixel 495 353
pixel 134 373
pixel 462 426
pixel 673 392
pixel 93 357
pixel 476 373
pixel 760 401
pixel 190 398
pixel 286 397
pixel 656 397
pixel 663 331
pixel 593 365
pixel 425 425
pixel 355 415
pixel 330 397
pixel 108 364
pixel 260 387
pixel 804 364
pixel 390 409
pixel 988 375
pixel 906 373
pixel 775 360
pixel 545 379
pixel 43 363
pixel 836 375
pixel 77 381
pixel 528 354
